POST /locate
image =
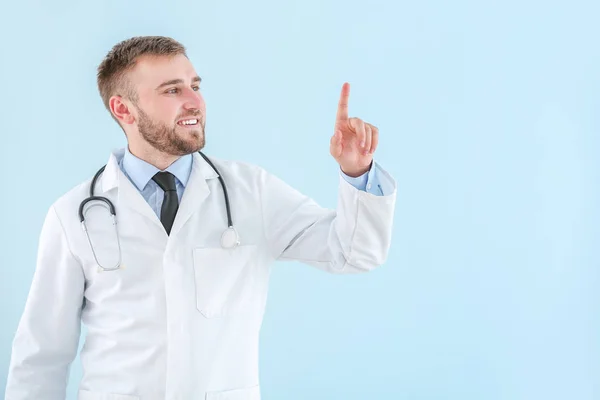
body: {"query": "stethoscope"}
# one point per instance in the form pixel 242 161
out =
pixel 229 239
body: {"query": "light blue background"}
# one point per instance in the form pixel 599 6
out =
pixel 488 116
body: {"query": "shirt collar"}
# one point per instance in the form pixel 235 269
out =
pixel 140 172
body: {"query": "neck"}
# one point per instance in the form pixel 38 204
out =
pixel 152 156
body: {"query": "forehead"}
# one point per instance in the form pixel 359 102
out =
pixel 151 71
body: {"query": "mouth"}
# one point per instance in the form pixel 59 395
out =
pixel 189 123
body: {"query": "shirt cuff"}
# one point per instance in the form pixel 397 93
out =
pixel 370 181
pixel 359 182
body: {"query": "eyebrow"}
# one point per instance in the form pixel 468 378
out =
pixel 177 82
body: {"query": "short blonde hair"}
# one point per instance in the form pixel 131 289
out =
pixel 112 71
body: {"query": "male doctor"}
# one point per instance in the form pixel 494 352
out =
pixel 170 313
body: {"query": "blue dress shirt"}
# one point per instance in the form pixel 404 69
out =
pixel 140 173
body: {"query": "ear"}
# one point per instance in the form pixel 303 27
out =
pixel 122 110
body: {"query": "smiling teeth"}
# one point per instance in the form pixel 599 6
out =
pixel 190 122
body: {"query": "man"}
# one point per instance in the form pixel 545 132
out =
pixel 170 313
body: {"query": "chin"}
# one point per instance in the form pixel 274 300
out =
pixel 199 139
pixel 197 144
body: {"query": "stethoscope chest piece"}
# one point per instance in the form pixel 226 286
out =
pixel 230 238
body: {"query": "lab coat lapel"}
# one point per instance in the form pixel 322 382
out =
pixel 196 191
pixel 128 195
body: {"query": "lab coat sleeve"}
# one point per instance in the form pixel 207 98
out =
pixel 47 336
pixel 354 237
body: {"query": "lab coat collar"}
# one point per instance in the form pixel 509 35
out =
pixel 110 177
pixel 141 172
pixel 196 191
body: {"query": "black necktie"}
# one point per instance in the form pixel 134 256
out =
pixel 170 204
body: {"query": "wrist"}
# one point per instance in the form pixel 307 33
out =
pixel 355 173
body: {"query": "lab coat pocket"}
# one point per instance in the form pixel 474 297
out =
pixel 251 393
pixel 87 395
pixel 224 279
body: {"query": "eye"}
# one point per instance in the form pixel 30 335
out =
pixel 196 88
pixel 173 90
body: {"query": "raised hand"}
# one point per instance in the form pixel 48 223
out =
pixel 354 141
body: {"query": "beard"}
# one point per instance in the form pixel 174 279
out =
pixel 176 140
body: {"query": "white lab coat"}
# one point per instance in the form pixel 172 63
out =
pixel 181 319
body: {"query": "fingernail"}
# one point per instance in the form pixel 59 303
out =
pixel 362 144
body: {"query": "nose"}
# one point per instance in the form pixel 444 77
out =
pixel 193 101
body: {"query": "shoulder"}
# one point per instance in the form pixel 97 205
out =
pixel 234 166
pixel 67 205
pixel 237 171
pixel 253 178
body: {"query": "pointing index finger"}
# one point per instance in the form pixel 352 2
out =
pixel 342 112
